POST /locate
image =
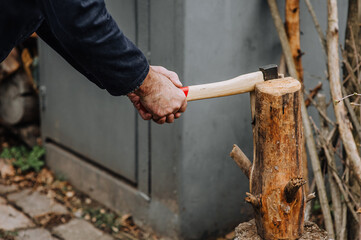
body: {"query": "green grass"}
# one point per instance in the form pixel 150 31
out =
pixel 25 159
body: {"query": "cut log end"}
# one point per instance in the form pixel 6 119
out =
pixel 241 160
pixel 292 187
pixel 279 87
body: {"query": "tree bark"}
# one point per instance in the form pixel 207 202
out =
pixel 276 175
pixel 292 27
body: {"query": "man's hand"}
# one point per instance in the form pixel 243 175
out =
pixel 159 97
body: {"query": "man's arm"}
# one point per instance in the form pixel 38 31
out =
pixel 86 35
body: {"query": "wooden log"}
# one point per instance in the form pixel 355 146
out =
pixel 276 175
pixel 10 64
pixel 18 102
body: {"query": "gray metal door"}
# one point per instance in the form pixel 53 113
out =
pixel 87 120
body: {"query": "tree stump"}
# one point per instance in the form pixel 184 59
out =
pixel 18 101
pixel 276 174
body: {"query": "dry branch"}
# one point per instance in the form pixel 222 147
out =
pixel 329 157
pixel 241 159
pixel 309 205
pixel 335 87
pixel 313 93
pixel 310 196
pixel 292 25
pixel 351 74
pixel 352 114
pixel 335 193
pixel 322 112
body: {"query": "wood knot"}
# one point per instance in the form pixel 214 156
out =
pixel 292 187
pixel 255 201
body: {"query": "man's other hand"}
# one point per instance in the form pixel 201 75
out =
pixel 159 97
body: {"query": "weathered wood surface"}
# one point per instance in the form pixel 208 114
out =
pixel 276 176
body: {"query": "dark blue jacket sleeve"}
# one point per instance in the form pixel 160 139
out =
pixel 85 34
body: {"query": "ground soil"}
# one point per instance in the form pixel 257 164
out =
pixel 247 230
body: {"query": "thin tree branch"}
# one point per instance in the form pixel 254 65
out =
pixel 321 112
pixel 333 172
pixel 335 86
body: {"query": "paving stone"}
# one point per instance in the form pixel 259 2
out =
pixel 4 189
pixel 34 234
pixel 79 229
pixel 11 219
pixel 35 203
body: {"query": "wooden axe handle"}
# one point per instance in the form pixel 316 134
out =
pixel 241 84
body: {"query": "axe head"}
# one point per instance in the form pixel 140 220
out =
pixel 269 71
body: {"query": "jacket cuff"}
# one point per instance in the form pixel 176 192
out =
pixel 134 85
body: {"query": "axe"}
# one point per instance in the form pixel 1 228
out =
pixel 241 84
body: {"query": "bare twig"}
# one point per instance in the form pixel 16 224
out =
pixel 353 71
pixel 351 74
pixel 352 114
pixel 310 197
pixel 343 233
pixel 241 159
pixel 313 93
pixel 292 25
pixel 335 193
pixel 333 172
pixel 348 96
pixel 309 204
pixel 321 112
